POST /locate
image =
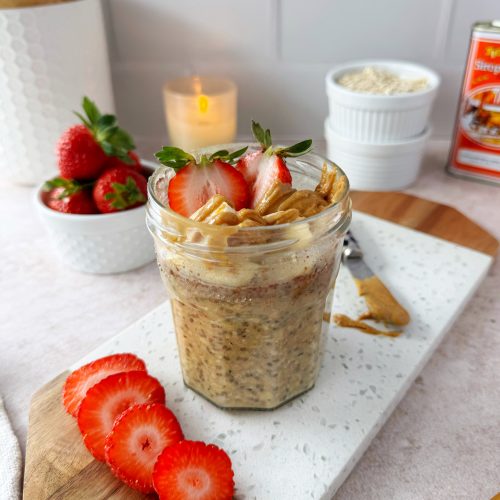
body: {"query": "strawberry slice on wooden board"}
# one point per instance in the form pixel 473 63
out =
pixel 138 437
pixel 120 188
pixel 192 470
pixel 83 149
pixel 108 399
pixel 81 380
pixel 196 182
pixel 261 168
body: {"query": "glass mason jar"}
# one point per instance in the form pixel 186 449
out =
pixel 248 302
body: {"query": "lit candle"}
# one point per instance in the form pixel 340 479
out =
pixel 200 111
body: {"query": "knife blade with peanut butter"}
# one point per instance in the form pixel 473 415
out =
pixel 382 305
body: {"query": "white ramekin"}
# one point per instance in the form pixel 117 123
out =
pixel 377 167
pixel 380 118
pixel 102 243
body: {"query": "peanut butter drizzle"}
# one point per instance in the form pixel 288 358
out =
pixel 283 216
pixel 326 182
pixel 280 204
pixel 382 306
pixel 347 322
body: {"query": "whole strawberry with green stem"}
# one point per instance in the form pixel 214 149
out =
pixel 195 182
pixel 68 196
pixel 84 149
pixel 262 168
pixel 120 188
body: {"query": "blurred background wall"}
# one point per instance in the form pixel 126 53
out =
pixel 278 52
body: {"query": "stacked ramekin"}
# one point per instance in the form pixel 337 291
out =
pixel 378 139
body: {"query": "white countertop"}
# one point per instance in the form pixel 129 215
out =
pixel 440 442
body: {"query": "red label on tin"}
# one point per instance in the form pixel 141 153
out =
pixel 476 149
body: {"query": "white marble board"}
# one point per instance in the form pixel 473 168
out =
pixel 308 447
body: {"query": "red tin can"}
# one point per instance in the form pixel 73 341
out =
pixel 475 151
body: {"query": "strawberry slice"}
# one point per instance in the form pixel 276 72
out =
pixel 81 380
pixel 108 399
pixel 196 182
pixel 138 436
pixel 262 168
pixel 192 470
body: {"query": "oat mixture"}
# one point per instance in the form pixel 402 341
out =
pixel 249 326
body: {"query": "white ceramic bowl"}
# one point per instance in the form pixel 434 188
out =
pixel 377 167
pixel 102 243
pixel 380 118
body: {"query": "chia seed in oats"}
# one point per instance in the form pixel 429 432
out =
pixel 251 346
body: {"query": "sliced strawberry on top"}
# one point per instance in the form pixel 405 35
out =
pixel 108 399
pixel 196 182
pixel 138 437
pixel 262 168
pixel 192 470
pixel 81 380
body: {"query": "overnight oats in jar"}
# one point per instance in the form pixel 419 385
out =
pixel 249 286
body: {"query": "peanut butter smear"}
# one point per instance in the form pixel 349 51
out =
pixel 382 306
pixel 346 322
pixel 280 204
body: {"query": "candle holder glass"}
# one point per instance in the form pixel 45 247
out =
pixel 200 111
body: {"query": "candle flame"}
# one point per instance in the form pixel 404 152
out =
pixel 203 103
pixel 202 98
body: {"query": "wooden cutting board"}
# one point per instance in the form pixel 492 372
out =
pixel 57 464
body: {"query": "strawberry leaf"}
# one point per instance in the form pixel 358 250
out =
pixel 298 149
pixel 236 154
pixel 174 158
pixel 124 138
pixel 70 186
pixel 263 137
pixel 268 141
pixel 107 148
pixel 91 110
pixel 219 154
pixel 105 121
pixel 83 120
pixel 125 195
pixel 226 156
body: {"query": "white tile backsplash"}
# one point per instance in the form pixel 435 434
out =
pixel 278 52
pixel 337 30
pixel 190 31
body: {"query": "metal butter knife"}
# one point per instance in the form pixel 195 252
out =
pixel 352 257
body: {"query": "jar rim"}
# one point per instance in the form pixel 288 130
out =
pixel 330 210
